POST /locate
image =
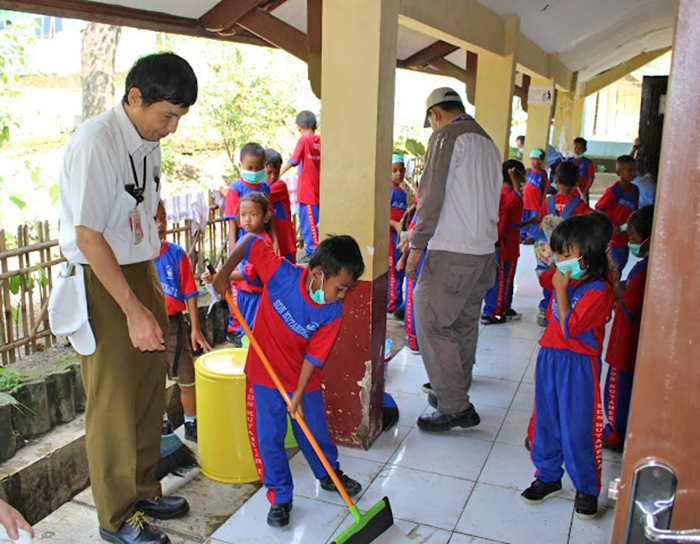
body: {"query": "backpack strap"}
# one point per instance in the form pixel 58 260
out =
pixel 551 206
pixel 570 207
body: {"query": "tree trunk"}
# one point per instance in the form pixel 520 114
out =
pixel 98 51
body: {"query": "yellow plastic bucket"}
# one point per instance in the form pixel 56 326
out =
pixel 224 448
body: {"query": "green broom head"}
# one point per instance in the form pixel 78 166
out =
pixel 175 457
pixel 367 526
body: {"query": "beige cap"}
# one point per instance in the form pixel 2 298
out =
pixel 438 96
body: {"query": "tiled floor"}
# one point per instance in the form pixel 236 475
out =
pixel 460 487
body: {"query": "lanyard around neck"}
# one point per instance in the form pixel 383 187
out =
pixel 135 190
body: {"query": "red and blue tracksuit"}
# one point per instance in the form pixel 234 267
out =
pixel 394 278
pixel 247 293
pixel 290 328
pixel 618 203
pixel 307 159
pixel 237 190
pixel 586 172
pixel 499 298
pixel 568 417
pixel 535 187
pixel 176 276
pixel 279 200
pixel 409 319
pixel 622 353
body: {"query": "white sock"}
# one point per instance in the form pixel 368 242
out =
pixel 190 419
pixel 165 417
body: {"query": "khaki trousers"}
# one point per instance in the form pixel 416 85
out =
pixel 125 399
pixel 447 299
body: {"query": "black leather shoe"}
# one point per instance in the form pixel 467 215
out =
pixel 135 530
pixel 163 507
pixel 439 422
pixel 278 516
pixel 351 486
pixel 191 431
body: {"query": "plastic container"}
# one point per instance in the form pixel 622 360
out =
pixel 224 448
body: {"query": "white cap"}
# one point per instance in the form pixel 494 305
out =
pixel 438 96
pixel 68 311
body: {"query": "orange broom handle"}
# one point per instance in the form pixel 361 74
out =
pixel 300 420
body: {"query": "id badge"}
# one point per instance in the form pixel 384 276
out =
pixel 136 226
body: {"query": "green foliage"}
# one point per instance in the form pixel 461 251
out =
pixel 10 379
pixel 246 102
pixel 13 62
pixel 17 201
pixel 415 148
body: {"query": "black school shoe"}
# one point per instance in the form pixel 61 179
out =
pixel 438 422
pixel 163 507
pixel 351 486
pixel 135 530
pixel 278 516
pixel 495 320
pixel 191 430
pixel 585 505
pixel 512 315
pixel 235 338
pixel 539 491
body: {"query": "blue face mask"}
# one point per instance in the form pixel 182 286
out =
pixel 254 178
pixel 571 264
pixel 318 296
pixel 636 250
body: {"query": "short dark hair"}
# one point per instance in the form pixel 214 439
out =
pixel 625 159
pixel 642 220
pixel 162 77
pixel 590 234
pixel 521 138
pixel 258 198
pixel 336 253
pixel 512 163
pixel 273 158
pixel 583 141
pixel 306 120
pixel 252 149
pixel 567 173
pixel 450 105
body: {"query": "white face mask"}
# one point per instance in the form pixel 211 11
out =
pixel 318 296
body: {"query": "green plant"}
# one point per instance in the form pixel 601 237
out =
pixel 11 379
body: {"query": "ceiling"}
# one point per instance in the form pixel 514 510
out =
pixel 589 36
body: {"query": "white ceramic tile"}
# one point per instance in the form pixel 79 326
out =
pixel 593 531
pixel 490 392
pixel 498 513
pixel 459 538
pixel 306 484
pixel 491 420
pixel 451 454
pixel 508 466
pixel 520 349
pixel 411 405
pixel 421 497
pixel 529 375
pixel 406 358
pixel 525 328
pixel 311 521
pixel 514 428
pixel 524 398
pixel 499 368
pixel 405 379
pixel 383 448
pixel 406 532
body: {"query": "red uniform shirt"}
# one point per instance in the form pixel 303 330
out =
pixel 586 171
pixel 584 326
pixel 307 159
pixel 251 283
pixel 618 203
pixel 176 277
pixel 533 190
pixel 560 202
pixel 279 200
pixel 510 212
pixel 289 326
pixel 624 335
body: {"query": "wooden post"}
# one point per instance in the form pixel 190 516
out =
pixel 4 335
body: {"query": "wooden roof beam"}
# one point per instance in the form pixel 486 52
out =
pixel 276 32
pixel 608 77
pixel 434 51
pixel 226 13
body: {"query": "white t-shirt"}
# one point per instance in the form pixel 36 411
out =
pixel 95 171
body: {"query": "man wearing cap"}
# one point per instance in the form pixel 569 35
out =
pixel 458 224
pixel 109 192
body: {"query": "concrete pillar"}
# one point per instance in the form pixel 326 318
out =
pixel 539 120
pixel 358 71
pixel 568 121
pixel 495 77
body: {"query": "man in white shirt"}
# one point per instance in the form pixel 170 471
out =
pixel 109 192
pixel 458 224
